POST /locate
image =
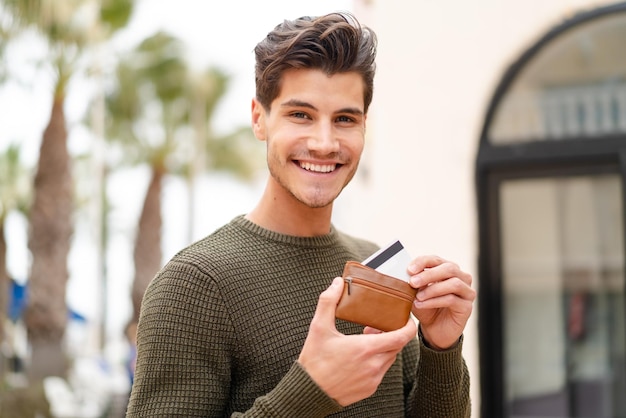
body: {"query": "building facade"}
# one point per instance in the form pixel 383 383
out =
pixel 497 139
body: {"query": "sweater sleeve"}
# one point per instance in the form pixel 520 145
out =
pixel 436 382
pixel 183 341
pixel 185 354
pixel 296 395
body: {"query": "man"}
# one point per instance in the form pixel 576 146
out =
pixel 242 323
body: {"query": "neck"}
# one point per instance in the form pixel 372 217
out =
pixel 284 214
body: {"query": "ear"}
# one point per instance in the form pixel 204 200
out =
pixel 258 120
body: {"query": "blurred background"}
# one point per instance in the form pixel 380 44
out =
pixel 124 136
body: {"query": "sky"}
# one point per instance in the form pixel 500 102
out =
pixel 219 34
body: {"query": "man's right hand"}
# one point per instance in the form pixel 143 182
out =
pixel 348 368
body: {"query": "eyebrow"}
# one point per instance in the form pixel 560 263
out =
pixel 300 103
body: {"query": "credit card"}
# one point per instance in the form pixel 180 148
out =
pixel 391 260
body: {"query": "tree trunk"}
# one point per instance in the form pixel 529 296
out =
pixel 148 253
pixel 49 243
pixel 4 295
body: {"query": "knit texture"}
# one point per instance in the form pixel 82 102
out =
pixel 223 323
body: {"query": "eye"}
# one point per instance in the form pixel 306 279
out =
pixel 299 115
pixel 344 118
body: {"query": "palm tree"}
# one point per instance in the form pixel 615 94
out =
pixel 156 89
pixel 14 196
pixel 4 38
pixel 148 93
pixel 62 25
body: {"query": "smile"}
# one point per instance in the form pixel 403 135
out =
pixel 318 168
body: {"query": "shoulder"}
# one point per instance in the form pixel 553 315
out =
pixel 217 248
pixel 196 265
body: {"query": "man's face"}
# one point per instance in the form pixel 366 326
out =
pixel 314 131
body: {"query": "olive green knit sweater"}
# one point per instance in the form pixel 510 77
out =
pixel 223 323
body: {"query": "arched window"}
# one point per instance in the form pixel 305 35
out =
pixel 551 176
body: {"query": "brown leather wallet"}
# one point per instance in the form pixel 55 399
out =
pixel 374 299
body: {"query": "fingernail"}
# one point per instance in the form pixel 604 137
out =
pixel 415 281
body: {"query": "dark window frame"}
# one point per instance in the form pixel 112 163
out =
pixel 496 163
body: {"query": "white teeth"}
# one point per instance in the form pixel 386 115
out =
pixel 318 168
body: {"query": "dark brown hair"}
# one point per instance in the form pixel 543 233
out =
pixel 334 43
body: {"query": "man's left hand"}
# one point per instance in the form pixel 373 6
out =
pixel 444 299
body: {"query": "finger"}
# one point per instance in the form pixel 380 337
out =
pixel 392 341
pixel 371 330
pixel 444 271
pixel 328 300
pixel 459 309
pixel 423 262
pixel 453 286
pixel 446 300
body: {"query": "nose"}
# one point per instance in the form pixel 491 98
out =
pixel 324 140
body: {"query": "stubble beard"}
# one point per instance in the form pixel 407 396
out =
pixel 317 200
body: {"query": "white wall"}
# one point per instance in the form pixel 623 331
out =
pixel 438 65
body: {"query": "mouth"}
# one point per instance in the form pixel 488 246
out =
pixel 318 168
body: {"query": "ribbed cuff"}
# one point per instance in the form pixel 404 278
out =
pixel 441 365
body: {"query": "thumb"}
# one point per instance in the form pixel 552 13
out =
pixel 328 300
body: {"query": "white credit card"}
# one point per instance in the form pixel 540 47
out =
pixel 391 260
